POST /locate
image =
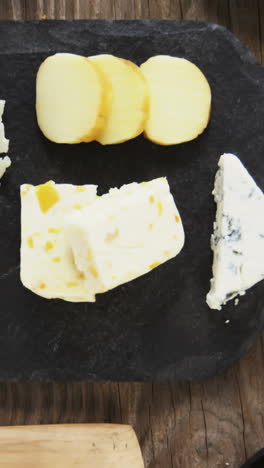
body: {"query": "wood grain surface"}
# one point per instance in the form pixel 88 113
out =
pixel 209 424
pixel 69 445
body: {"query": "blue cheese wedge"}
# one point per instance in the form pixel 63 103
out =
pixel 4 143
pixel 47 264
pixel 238 238
pixel 125 234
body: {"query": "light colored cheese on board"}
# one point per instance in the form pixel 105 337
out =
pixel 238 239
pixel 47 264
pixel 129 99
pixel 125 234
pixel 4 143
pixel 180 100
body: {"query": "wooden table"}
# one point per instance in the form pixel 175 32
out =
pixel 214 423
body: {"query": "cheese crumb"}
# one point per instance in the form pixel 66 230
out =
pixel 4 143
pixel 4 164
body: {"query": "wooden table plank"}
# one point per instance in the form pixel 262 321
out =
pixel 181 425
pixel 261 27
pixel 245 23
pixel 12 9
pixel 216 11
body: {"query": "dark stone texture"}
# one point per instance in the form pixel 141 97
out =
pixel 157 327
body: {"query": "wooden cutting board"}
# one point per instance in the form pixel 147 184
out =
pixel 70 445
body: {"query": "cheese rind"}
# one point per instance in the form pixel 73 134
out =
pixel 47 265
pixel 238 238
pixel 4 143
pixel 125 234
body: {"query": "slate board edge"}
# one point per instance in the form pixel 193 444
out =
pixel 148 23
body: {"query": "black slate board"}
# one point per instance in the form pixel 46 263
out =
pixel 157 327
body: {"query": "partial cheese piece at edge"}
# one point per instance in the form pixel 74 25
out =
pixel 125 234
pixel 47 264
pixel 4 164
pixel 238 239
pixel 180 100
pixel 129 99
pixel 4 143
pixel 71 102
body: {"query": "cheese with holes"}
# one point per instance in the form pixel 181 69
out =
pixel 238 239
pixel 125 234
pixel 4 143
pixel 47 264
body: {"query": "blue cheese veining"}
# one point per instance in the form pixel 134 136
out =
pixel 238 238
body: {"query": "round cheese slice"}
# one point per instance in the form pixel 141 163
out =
pixel 71 104
pixel 180 100
pixel 129 99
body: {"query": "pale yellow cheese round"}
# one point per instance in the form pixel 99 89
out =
pixel 128 101
pixel 70 99
pixel 180 100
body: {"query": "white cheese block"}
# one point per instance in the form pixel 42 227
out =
pixel 238 239
pixel 125 234
pixel 4 143
pixel 4 164
pixel 47 265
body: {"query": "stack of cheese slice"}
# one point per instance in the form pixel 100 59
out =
pixel 111 100
pixel 84 245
